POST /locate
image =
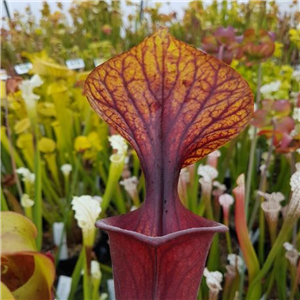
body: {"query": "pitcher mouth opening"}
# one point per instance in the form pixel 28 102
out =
pixel 206 226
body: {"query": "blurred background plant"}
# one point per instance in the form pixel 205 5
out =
pixel 57 154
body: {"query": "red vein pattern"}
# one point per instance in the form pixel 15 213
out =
pixel 166 95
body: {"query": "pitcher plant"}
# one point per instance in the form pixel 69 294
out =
pixel 174 104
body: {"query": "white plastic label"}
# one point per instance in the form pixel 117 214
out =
pixel 60 239
pixel 98 61
pixel 23 68
pixel 58 231
pixel 63 287
pixel 111 289
pixel 75 64
pixel 3 75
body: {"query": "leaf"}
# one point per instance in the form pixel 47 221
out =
pixel 13 203
pixel 39 286
pixel 163 268
pixel 5 293
pixel 18 270
pixel 174 104
pixel 169 98
pixel 17 233
pixel 27 273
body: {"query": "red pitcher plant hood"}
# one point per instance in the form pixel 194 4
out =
pixel 175 105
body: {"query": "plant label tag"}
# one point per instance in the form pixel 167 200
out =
pixel 58 233
pixel 111 289
pixel 63 287
pixel 23 68
pixel 3 75
pixel 75 64
pixel 98 61
pixel 60 239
